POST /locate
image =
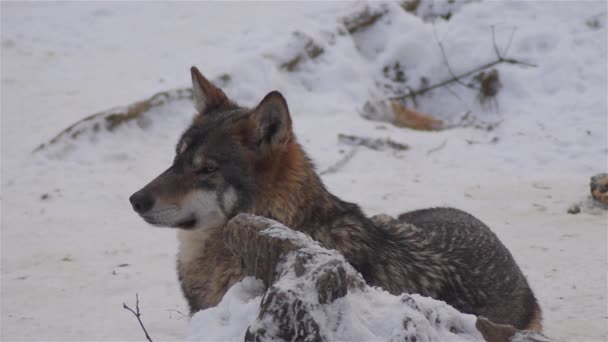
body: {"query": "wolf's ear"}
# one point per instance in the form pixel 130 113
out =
pixel 206 95
pixel 272 121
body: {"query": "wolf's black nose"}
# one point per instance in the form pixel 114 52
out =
pixel 141 202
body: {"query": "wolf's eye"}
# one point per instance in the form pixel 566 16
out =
pixel 208 168
pixel 203 165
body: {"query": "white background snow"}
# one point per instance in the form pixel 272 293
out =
pixel 60 257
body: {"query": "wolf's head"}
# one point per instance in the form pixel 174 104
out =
pixel 222 161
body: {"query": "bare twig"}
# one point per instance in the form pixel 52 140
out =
pixel 465 74
pixel 455 94
pixel 435 149
pixel 494 43
pixel 181 314
pixel 506 50
pixel 340 163
pixel 467 120
pixel 137 315
pixel 447 63
pixel 377 144
pixel 500 59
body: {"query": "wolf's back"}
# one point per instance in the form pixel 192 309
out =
pixel 485 279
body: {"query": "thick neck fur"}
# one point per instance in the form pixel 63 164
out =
pixel 292 193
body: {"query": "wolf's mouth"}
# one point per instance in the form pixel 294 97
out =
pixel 187 224
pixel 184 224
pixel 150 221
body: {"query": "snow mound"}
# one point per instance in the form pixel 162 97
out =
pixel 367 315
pixel 359 54
pixel 163 114
pixel 351 61
pixel 229 320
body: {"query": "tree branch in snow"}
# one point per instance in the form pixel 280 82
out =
pixel 137 315
pixel 181 314
pixel 506 50
pixel 376 144
pixel 457 78
pixel 340 163
pixel 435 149
pixel 447 63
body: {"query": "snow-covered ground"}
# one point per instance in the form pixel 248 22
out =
pixel 73 251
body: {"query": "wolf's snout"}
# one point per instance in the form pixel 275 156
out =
pixel 141 202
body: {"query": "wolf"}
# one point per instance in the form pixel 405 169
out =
pixel 233 160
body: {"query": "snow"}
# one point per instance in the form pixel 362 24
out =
pixel 229 320
pixel 362 315
pixel 63 257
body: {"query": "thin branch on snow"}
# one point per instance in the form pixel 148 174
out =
pixel 181 314
pixel 500 59
pixel 340 163
pixel 447 63
pixel 376 144
pixel 494 42
pixel 137 315
pixel 435 149
pixel 506 50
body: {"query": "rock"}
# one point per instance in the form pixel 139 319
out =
pixel 599 187
pixel 270 251
pixel 574 209
pixel 290 316
pixel 314 294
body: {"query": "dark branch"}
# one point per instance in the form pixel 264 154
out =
pixel 506 50
pixel 447 63
pixel 457 78
pixel 137 315
pixel 181 314
pixel 435 149
pixel 340 163
pixel 494 43
pixel 448 81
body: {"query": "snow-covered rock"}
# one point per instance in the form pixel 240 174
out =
pixel 314 294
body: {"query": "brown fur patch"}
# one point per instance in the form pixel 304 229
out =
pixel 286 182
pixel 408 117
pixel 206 268
pixel 536 322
